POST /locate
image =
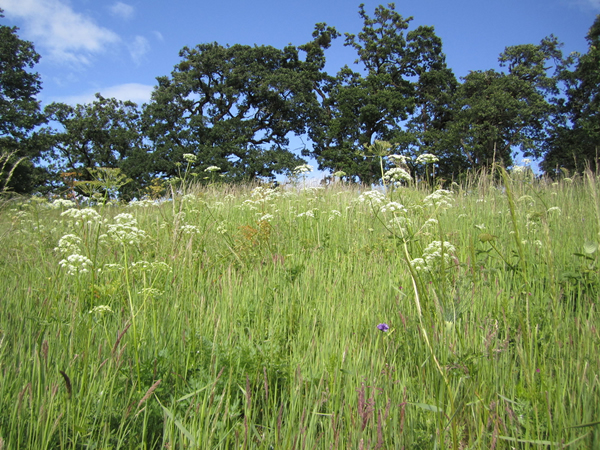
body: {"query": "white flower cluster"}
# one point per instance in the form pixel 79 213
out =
pixel 304 168
pixel 427 158
pixel 263 194
pixel 69 243
pixel 312 190
pixel 212 169
pixel 393 207
pixel 430 223
pixel 399 159
pixel 189 157
pixel 139 266
pixel 189 229
pixel 150 292
pixel 249 205
pixel 526 198
pixel 76 264
pixel 397 174
pixel 432 256
pixel 266 218
pixel 60 203
pixel 188 198
pixel 112 268
pixel 87 216
pixel 222 228
pixel 441 198
pixel 333 214
pixel 260 196
pixel 125 230
pixel 310 213
pixel 419 265
pixel 372 197
pixel 143 266
pixel 554 209
pixel 522 171
pixel 100 310
pixel 144 203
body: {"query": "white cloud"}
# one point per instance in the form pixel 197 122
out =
pixel 138 48
pixel 158 35
pixel 122 10
pixel 595 4
pixel 67 35
pixel 584 5
pixel 135 92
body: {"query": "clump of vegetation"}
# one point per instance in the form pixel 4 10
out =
pixel 304 317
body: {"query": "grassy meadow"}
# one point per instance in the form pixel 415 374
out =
pixel 305 318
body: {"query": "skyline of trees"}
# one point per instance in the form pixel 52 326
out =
pixel 237 106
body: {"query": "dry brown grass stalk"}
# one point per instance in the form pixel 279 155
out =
pixel 148 393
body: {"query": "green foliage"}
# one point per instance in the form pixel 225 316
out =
pixel 248 318
pixel 19 109
pixel 232 107
pixel 359 107
pixel 575 141
pixel 495 113
pixel 103 134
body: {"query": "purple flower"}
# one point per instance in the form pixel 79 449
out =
pixel 383 327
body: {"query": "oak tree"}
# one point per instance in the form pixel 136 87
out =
pixel 374 102
pixel 104 133
pixel 574 143
pixel 20 112
pixel 232 107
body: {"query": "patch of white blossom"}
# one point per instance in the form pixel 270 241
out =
pixel 372 197
pixel 441 198
pixel 60 203
pixel 397 174
pixel 393 207
pixel 76 264
pixel 68 244
pixel 427 158
pixel 433 255
pixel 124 230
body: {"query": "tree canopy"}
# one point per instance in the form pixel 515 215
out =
pixel 105 133
pixel 20 112
pixel 574 142
pixel 236 108
pixel 231 107
pixel 373 103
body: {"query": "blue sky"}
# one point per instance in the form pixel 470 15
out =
pixel 118 48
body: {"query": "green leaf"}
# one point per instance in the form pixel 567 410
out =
pixel 528 441
pixel 584 425
pixel 581 255
pixel 486 237
pixel 590 247
pixel 507 399
pixel 178 424
pixel 427 407
pixel 541 442
pixel 191 394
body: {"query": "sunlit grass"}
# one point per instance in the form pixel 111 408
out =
pixel 248 318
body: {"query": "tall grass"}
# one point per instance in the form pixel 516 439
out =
pixel 248 318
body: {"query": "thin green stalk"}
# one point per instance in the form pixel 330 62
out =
pixel 133 314
pixel 593 191
pixel 515 223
